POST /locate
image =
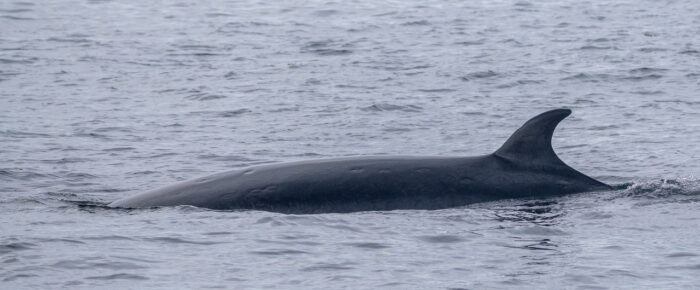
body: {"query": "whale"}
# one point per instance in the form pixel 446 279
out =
pixel 525 166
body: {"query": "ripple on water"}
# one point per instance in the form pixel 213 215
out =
pixel 369 245
pixel 70 39
pixel 330 267
pixel 19 276
pixel 441 90
pixel 647 70
pixel 344 228
pixel 381 107
pixel 519 83
pixel 16 10
pixel 442 239
pixel 101 263
pixel 278 252
pixel 119 276
pixel 234 113
pixel 231 158
pixel 648 93
pixel 205 97
pixel 589 77
pixel 108 238
pixel 538 231
pixel 325 12
pixel 22 174
pixel 480 75
pixel 13 247
pixel 540 212
pixel 172 240
pixel 59 240
pixel 19 18
pixel 327 48
pixel 24 134
pixel 648 77
pixel 416 23
pixel 682 255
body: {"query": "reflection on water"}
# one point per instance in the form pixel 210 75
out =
pixel 541 213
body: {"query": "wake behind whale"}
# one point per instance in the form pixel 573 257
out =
pixel 525 166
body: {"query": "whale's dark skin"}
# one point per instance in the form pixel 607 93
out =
pixel 525 166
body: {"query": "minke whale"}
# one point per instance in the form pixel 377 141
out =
pixel 525 166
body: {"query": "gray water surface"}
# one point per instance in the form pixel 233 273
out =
pixel 100 100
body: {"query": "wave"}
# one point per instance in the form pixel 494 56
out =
pixel 662 188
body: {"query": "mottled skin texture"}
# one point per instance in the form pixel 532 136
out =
pixel 525 166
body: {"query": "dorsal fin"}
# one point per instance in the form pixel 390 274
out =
pixel 532 143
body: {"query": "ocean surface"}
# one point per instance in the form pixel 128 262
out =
pixel 101 100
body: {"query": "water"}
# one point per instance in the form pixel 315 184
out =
pixel 101 100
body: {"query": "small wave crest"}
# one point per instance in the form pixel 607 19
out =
pixel 381 107
pixel 661 188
